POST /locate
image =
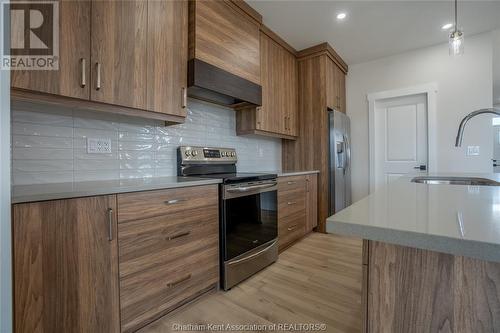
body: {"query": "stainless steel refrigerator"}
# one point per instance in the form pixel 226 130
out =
pixel 339 161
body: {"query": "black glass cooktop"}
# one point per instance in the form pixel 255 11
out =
pixel 240 177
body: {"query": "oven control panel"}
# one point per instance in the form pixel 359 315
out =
pixel 207 154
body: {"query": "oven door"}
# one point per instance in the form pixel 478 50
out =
pixel 250 216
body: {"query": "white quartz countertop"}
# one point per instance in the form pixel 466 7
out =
pixel 456 219
pixel 42 192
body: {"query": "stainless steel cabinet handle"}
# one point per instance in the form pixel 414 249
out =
pixel 174 201
pixel 289 203
pixel 290 183
pixel 110 224
pixel 292 227
pixel 249 188
pixel 184 97
pixel 98 80
pixel 174 283
pixel 83 83
pixel 179 235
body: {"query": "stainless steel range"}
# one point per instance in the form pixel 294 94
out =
pixel 248 211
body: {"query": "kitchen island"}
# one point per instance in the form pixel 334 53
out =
pixel 431 256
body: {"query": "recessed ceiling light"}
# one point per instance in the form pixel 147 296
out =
pixel 341 16
pixel 447 26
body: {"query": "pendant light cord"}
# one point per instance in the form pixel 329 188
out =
pixel 456 16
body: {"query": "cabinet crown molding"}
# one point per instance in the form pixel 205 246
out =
pixel 323 49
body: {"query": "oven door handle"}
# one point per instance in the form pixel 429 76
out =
pixel 238 261
pixel 249 188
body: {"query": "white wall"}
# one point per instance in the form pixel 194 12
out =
pixel 49 144
pixel 496 68
pixel 464 84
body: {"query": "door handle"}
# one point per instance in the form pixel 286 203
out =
pixel 422 167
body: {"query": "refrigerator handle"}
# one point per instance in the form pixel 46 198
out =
pixel 347 154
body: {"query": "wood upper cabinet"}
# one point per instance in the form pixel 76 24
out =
pixel 278 115
pixel 225 36
pixel 66 266
pixel 127 57
pixel 167 57
pixel 118 52
pixel 72 78
pixel 335 90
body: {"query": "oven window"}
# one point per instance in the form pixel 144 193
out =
pixel 250 221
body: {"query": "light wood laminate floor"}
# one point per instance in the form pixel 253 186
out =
pixel 317 280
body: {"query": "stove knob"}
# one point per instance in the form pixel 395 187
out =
pixel 187 152
pixel 233 154
pixel 224 154
pixel 194 153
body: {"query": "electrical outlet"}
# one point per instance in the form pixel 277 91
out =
pixel 98 146
pixel 472 150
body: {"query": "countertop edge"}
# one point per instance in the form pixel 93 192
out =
pixel 110 191
pixel 457 247
pixel 296 173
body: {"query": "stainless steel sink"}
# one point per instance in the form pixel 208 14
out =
pixel 474 181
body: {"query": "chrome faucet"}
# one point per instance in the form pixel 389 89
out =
pixel 460 134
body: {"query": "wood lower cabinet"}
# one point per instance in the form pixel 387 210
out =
pixel 278 114
pixel 66 266
pixel 169 250
pixel 296 208
pixel 311 201
pixel 72 78
pixel 125 57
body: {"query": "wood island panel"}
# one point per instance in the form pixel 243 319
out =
pixel 414 290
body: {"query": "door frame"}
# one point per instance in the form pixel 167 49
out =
pixel 430 90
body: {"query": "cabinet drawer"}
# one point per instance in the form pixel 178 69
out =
pixel 163 239
pixel 291 229
pixel 291 203
pixel 146 296
pixel 292 183
pixel 140 205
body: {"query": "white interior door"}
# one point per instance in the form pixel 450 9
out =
pixel 401 137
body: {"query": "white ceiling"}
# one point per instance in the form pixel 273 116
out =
pixel 373 29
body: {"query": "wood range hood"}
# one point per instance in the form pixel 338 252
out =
pixel 224 53
pixel 210 83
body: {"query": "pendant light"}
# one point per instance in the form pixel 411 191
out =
pixel 456 42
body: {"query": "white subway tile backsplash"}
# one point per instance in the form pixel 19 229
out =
pixel 26 141
pixel 41 165
pixel 41 130
pixel 41 154
pixel 42 177
pixel 50 144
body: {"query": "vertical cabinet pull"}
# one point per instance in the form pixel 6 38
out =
pixel 83 83
pixel 184 97
pixel 110 224
pixel 98 79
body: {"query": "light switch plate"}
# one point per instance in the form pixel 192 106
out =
pixel 472 150
pixel 98 146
